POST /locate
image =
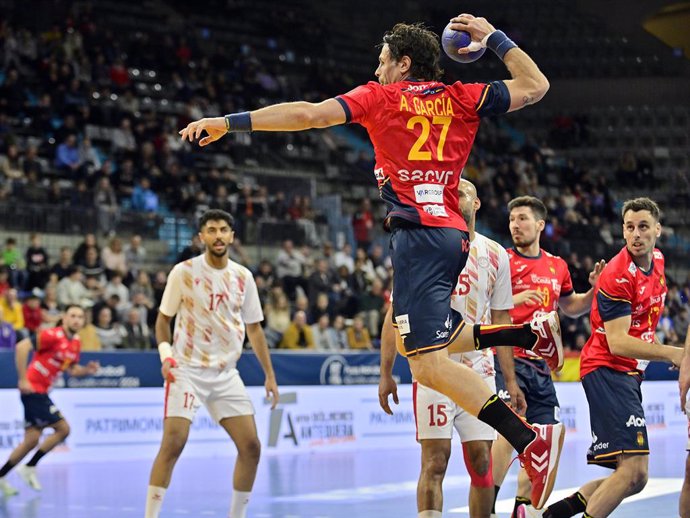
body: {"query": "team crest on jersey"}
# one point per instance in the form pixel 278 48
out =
pixel 552 270
pixel 196 281
pixel 657 254
pixel 632 268
pixel 483 262
pixel 640 439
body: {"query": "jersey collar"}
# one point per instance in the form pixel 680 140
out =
pixel 538 256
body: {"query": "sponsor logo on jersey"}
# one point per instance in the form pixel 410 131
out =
pixel 520 268
pixel 622 280
pixel 635 421
pixel 436 210
pixel 431 175
pixel 640 439
pixel 424 89
pixel 642 289
pixel 429 193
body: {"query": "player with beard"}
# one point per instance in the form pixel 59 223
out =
pixel 215 300
pixel 55 350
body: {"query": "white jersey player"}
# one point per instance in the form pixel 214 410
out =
pixel 483 295
pixel 214 300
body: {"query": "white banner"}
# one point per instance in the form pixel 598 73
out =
pixel 120 424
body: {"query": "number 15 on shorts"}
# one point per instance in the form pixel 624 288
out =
pixel 437 415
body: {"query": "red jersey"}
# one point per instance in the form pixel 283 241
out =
pixel 546 273
pixel 55 352
pixel 623 289
pixel 422 133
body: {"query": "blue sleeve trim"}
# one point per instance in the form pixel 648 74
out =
pixel 611 309
pixel 346 109
pixel 495 99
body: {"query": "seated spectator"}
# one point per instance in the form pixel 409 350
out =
pixel 137 333
pixel 339 332
pixel 95 288
pixel 324 338
pixel 343 257
pixel 67 157
pixel 8 336
pixel 135 255
pixel 143 305
pixel 37 264
pixel 116 287
pixel 61 268
pixel 32 313
pixel 192 250
pixel 4 280
pixel 12 259
pixel 11 164
pixel 111 335
pixel 142 284
pixel 92 266
pixel 113 258
pixel 298 335
pixel 289 268
pixel 143 198
pixel 12 311
pixel 108 210
pixel 80 253
pixel 277 312
pixel 89 157
pixel 322 307
pixel 90 340
pixel 50 310
pixel 358 336
pixel 71 289
pixel 371 307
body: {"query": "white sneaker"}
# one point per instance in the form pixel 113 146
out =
pixel 28 474
pixel 6 489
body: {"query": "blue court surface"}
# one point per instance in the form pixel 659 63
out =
pixel 364 484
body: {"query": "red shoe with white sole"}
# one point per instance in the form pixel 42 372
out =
pixel 540 460
pixel 549 343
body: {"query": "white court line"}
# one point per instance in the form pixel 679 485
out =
pixel 655 487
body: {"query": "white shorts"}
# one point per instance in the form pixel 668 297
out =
pixel 222 393
pixel 436 415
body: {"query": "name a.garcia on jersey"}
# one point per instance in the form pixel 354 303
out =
pixel 431 107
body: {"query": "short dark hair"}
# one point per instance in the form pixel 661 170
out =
pixel 418 43
pixel 537 206
pixel 70 306
pixel 216 215
pixel 637 204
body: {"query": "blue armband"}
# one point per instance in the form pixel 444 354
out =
pixel 238 122
pixel 500 43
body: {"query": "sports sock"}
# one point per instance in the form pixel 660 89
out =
pixel 519 500
pixel 37 456
pixel 154 501
pixel 493 506
pixel 6 468
pixel 238 505
pixel 429 514
pixel 570 506
pixel 499 416
pixel 518 335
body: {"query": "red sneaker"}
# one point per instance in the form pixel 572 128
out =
pixel 540 460
pixel 549 343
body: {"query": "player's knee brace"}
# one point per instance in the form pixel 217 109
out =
pixel 477 480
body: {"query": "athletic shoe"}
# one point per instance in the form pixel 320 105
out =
pixel 540 460
pixel 549 343
pixel 6 489
pixel 527 511
pixel 28 474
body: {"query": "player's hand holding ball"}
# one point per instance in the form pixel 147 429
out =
pixel 464 38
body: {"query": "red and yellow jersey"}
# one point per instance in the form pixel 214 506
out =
pixel 55 352
pixel 623 289
pixel 422 133
pixel 545 273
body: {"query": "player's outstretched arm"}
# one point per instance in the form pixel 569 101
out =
pixel 577 304
pixel 622 344
pixel 294 116
pixel 387 384
pixel 257 339
pixel 79 371
pixel 528 84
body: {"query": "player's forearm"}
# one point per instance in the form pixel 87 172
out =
pixel 387 346
pixel 577 304
pixel 21 357
pixel 163 333
pixel 257 339
pixel 637 349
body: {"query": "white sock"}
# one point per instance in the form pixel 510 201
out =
pixel 154 501
pixel 238 505
pixel 429 514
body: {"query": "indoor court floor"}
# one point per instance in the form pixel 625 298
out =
pixel 362 484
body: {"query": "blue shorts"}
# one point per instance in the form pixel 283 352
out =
pixel 426 264
pixel 616 416
pixel 534 379
pixel 39 411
